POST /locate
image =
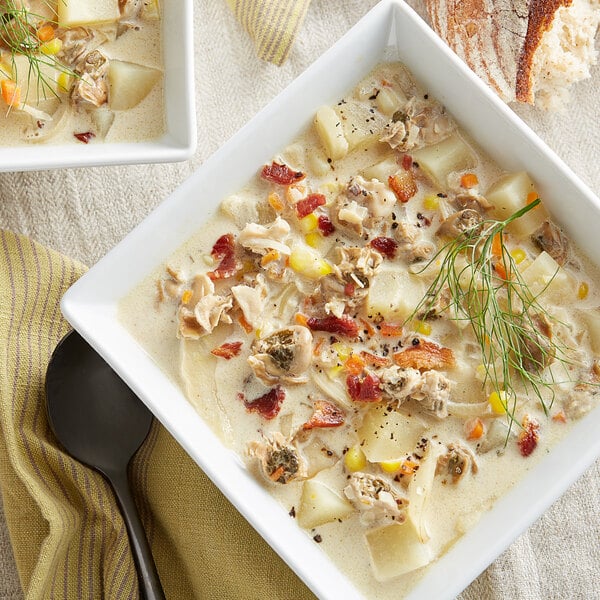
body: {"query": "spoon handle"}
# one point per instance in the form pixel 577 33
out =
pixel 150 587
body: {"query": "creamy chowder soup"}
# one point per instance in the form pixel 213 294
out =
pixel 389 329
pixel 80 71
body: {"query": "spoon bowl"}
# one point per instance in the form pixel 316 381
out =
pixel 102 423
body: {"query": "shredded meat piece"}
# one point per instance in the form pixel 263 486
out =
pixel 260 239
pixel 551 239
pixel 536 349
pixel 91 87
pixel 456 463
pixel 77 43
pixel 460 222
pixel 377 501
pixel 280 459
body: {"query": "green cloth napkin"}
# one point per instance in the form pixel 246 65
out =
pixel 272 24
pixel 69 539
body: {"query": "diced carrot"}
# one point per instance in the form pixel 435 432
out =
pixel 11 92
pixel 390 329
pixel 301 319
pixel 45 33
pixel 474 428
pixel 500 270
pixel 245 325
pixel 469 180
pixel 560 417
pixel 497 245
pixel 275 201
pixel 408 467
pixel 532 197
pixel 270 256
pixel 368 327
pixel 354 365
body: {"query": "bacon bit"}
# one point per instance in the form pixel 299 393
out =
pixel 354 365
pixel 390 329
pixel 343 325
pixel 363 388
pixel 403 185
pixel 270 256
pixel 307 205
pixel 281 174
pixel 385 245
pixel 425 356
pixel 560 417
pixel 326 414
pixel 474 428
pixel 275 202
pixel 407 162
pixel 267 405
pixel 529 436
pixel 374 360
pixel 227 350
pixel 224 251
pixel 368 327
pixel 244 324
pixel 469 180
pixel 325 225
pixel 85 137
pixel 349 289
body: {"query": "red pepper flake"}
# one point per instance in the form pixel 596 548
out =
pixel 363 388
pixel 227 350
pixel 326 414
pixel 403 184
pixel 343 325
pixel 407 162
pixel 325 225
pixel 307 205
pixel 529 436
pixel 281 174
pixel 385 245
pixel 267 405
pixel 224 251
pixel 85 137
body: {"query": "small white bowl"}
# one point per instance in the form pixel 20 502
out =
pixel 179 140
pixel 91 304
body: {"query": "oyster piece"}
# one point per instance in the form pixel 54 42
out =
pixel 456 463
pixel 279 459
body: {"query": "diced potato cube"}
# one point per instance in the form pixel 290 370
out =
pixel 381 170
pixel 394 294
pixel 508 195
pixel 82 12
pixel 445 157
pixel 129 83
pixel 546 277
pixel 388 101
pixel 396 550
pixel 331 133
pixel 241 208
pixel 320 504
pixel 317 163
pixel 362 125
pixel 592 320
pixel 388 435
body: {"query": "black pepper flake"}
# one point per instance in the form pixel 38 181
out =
pixel 416 341
pixel 329 160
pixel 415 165
pixel 318 538
pixel 442 195
pixel 292 512
pixel 426 96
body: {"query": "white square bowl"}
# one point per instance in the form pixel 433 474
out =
pixel 91 304
pixel 176 144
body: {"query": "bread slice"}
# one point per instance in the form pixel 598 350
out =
pixel 529 51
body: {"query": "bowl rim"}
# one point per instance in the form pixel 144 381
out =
pixel 91 309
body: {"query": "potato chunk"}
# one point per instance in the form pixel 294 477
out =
pixel 395 550
pixel 394 294
pixel 508 195
pixel 445 157
pixel 129 83
pixel 330 131
pixel 320 504
pixel 546 277
pixel 83 12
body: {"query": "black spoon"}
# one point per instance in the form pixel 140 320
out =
pixel 101 423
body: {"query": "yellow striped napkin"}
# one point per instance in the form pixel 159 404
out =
pixel 69 540
pixel 272 24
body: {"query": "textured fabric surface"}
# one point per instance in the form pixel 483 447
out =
pixel 83 213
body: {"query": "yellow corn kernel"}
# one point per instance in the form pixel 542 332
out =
pixel 343 351
pixel 309 223
pixel 64 81
pixel 391 466
pixel 518 255
pixel 186 296
pixel 431 203
pixel 355 459
pixel 270 256
pixel 308 262
pixel 51 47
pixel 498 402
pixel 583 290
pixel 313 239
pixel 423 327
pixel 335 372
